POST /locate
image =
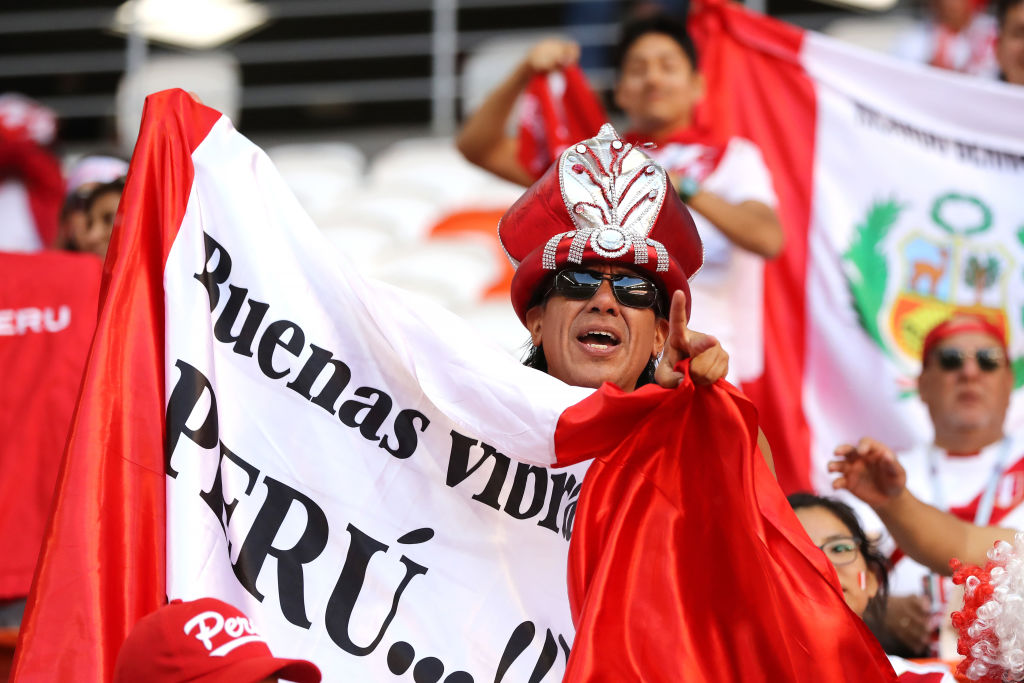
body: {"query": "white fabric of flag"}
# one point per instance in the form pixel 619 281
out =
pixel 916 212
pixel 340 452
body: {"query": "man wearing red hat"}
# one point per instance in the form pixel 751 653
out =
pixel 603 250
pixel 203 640
pixel 603 253
pixel 724 183
pixel 972 470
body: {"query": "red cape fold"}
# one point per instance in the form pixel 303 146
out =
pixel 103 561
pixel 686 562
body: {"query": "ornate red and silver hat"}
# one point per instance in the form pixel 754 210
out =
pixel 603 201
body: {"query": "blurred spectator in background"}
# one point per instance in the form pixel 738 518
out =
pixel 725 183
pixel 93 234
pixel 1010 40
pixel 972 470
pixel 861 567
pixel 31 185
pixel 583 16
pixel 84 176
pixel 203 640
pixel 48 304
pixel 957 35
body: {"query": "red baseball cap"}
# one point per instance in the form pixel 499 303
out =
pixel 204 640
pixel 603 201
pixel 959 323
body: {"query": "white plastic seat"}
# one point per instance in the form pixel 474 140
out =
pixel 495 318
pixel 431 168
pixel 455 272
pixel 323 176
pixel 407 216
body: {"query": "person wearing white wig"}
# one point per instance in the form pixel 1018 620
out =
pixel 991 623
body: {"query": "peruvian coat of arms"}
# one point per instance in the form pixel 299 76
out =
pixel 905 278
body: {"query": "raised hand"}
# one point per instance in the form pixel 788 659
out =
pixel 709 363
pixel 908 620
pixel 551 54
pixel 869 471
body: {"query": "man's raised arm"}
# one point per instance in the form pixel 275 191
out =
pixel 928 535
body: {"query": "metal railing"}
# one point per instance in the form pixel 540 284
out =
pixel 442 45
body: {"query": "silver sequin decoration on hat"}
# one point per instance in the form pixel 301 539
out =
pixel 614 193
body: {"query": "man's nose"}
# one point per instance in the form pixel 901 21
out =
pixel 604 298
pixel 970 367
pixel 654 76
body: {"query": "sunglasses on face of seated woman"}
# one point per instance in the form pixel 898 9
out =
pixel 951 358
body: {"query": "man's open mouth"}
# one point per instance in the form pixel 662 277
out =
pixel 598 339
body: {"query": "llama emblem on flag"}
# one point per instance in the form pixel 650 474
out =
pixel 905 277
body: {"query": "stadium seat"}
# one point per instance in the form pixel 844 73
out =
pixel 431 168
pixel 214 76
pixel 874 33
pixel 453 271
pixel 323 176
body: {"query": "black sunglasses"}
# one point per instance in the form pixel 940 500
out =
pixel 629 290
pixel 951 358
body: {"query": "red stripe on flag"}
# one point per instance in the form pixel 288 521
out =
pixel 911 676
pixel 759 90
pixel 103 561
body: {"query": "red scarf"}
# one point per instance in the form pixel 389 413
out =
pixel 549 123
pixel 712 149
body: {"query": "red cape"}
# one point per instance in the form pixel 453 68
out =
pixel 687 563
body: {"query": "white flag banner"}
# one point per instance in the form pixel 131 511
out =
pixel 365 478
pixel 916 213
pixel 899 191
pixel 339 473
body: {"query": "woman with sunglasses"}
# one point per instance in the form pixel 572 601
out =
pixel 862 569
pixel 971 469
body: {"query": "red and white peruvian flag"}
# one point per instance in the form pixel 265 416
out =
pixel 368 479
pixel 899 189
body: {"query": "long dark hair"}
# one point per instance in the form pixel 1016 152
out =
pixel 1003 8
pixel 877 563
pixel 659 22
